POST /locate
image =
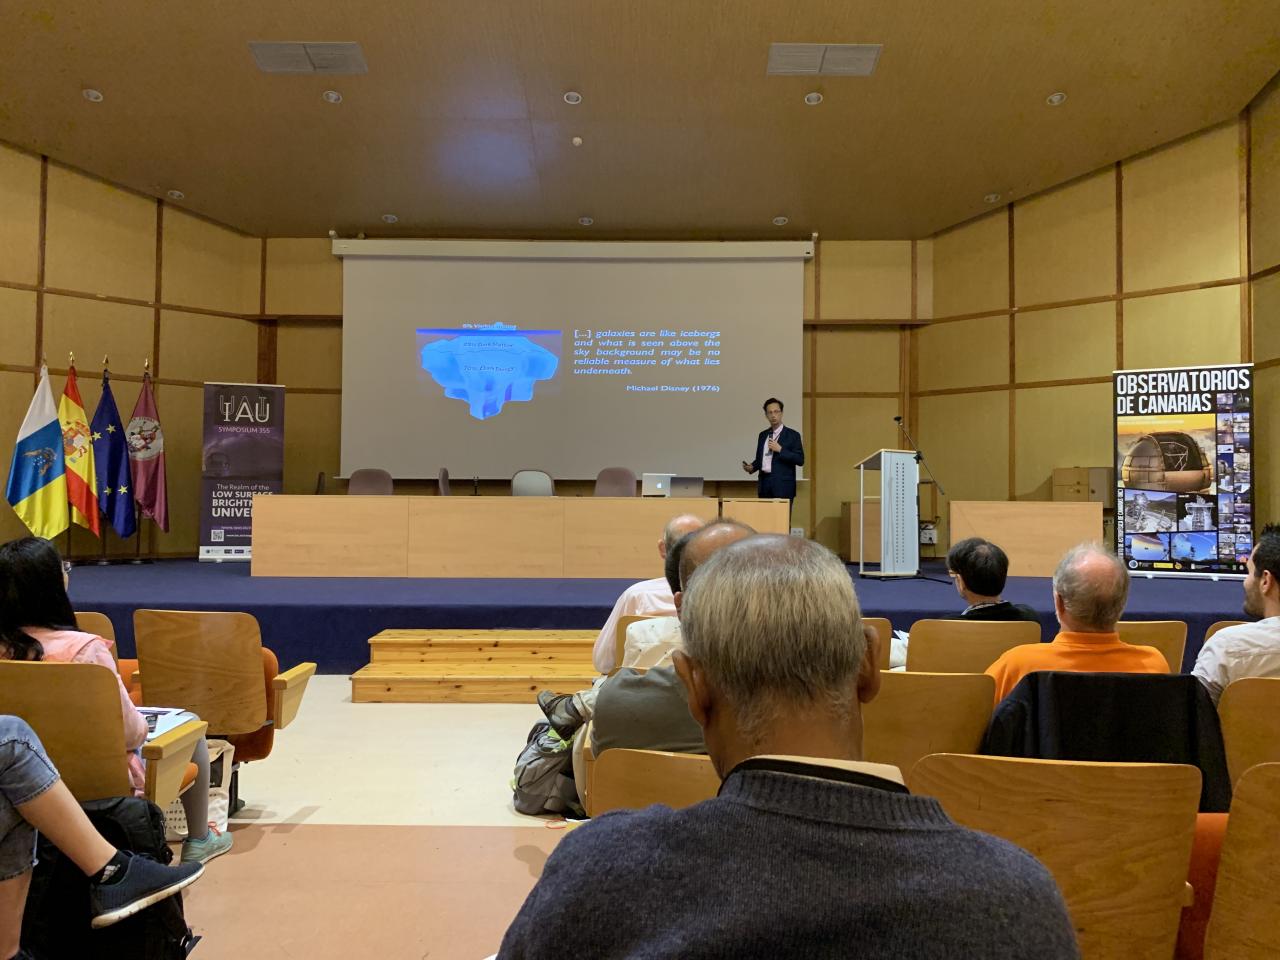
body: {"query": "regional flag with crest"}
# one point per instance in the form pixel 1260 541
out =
pixel 37 487
pixel 146 453
pixel 77 448
pixel 111 460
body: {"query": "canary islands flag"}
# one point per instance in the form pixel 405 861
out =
pixel 77 449
pixel 37 488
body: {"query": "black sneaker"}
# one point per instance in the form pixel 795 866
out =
pixel 562 712
pixel 144 882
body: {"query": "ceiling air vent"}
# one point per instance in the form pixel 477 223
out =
pixel 823 59
pixel 327 58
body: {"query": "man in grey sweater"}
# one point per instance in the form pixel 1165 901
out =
pixel 806 852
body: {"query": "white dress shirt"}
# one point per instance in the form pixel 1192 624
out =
pixel 1246 650
pixel 766 460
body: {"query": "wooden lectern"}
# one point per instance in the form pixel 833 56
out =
pixel 899 512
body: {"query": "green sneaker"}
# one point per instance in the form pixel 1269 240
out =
pixel 213 844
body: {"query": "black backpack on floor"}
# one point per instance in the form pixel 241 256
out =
pixel 56 922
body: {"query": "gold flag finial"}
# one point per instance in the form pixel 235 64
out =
pixel 72 356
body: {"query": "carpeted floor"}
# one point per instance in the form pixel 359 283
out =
pixel 330 620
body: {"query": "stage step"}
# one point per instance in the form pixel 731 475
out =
pixel 464 682
pixel 483 646
pixel 473 666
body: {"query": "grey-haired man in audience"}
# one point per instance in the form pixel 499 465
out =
pixel 1249 649
pixel 807 851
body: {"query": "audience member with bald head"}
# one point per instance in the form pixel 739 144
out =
pixel 806 851
pixel 1090 589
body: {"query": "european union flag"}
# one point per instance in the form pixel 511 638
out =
pixel 111 458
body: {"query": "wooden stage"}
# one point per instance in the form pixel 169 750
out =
pixel 480 537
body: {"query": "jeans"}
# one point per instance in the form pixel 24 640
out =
pixel 25 772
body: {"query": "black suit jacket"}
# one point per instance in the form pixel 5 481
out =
pixel 780 481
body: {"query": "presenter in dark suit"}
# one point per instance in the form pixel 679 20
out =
pixel 778 453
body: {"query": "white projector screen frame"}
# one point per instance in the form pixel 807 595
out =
pixel 417 314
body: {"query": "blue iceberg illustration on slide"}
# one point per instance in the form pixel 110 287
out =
pixel 487 368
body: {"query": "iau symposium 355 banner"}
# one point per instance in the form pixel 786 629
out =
pixel 1184 469
pixel 243 456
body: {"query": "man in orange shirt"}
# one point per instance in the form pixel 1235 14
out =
pixel 1090 588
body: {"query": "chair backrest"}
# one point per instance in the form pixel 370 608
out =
pixel 1245 922
pixel 320 483
pixel 1116 837
pixel 370 482
pixel 532 483
pixel 620 638
pixel 631 779
pixel 1167 636
pixel 965 646
pixel 1220 625
pixel 916 714
pixel 615 482
pixel 885 629
pixel 100 624
pixel 443 481
pixel 1249 712
pixel 74 709
pixel 207 662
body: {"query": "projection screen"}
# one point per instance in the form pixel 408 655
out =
pixel 488 357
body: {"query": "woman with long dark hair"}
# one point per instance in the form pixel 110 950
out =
pixel 37 622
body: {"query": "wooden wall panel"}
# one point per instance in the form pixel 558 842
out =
pixel 1065 241
pixel 16 390
pixel 810 287
pixel 800 510
pixel 971 266
pixel 1067 343
pixel 924 279
pixel 94 329
pixel 857 360
pixel 19 215
pixel 849 429
pixel 209 266
pixel 17 329
pixel 964 353
pixel 1060 427
pixel 199 347
pixel 303 277
pixel 1266 441
pixel 309 354
pixel 312 429
pixel 866 279
pixel 1182 211
pixel 1178 329
pixel 966 439
pixel 99 239
pixel 1264 196
pixel 182 416
pixel 1266 318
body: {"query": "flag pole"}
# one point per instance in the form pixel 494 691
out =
pixel 137 507
pixel 102 558
pixel 71 362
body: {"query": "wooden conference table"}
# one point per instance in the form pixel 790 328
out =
pixel 519 537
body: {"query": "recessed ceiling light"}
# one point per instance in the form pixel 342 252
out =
pixel 586 221
pixel 1056 99
pixel 813 99
pixel 390 218
pixel 992 198
pixel 780 221
pixel 93 96
pixel 176 195
pixel 331 96
pixel 572 97
pixel 576 141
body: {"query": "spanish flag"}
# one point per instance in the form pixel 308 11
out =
pixel 37 487
pixel 77 448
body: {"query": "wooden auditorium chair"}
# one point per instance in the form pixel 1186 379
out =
pixel 1167 636
pixel 964 646
pixel 916 714
pixel 1245 923
pixel 214 664
pixel 631 779
pixel 885 629
pixel 1116 837
pixel 1249 713
pixel 74 709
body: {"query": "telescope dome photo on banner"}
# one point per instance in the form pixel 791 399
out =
pixel 1184 469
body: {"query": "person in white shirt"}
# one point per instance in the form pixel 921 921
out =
pixel 1250 649
pixel 646 598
